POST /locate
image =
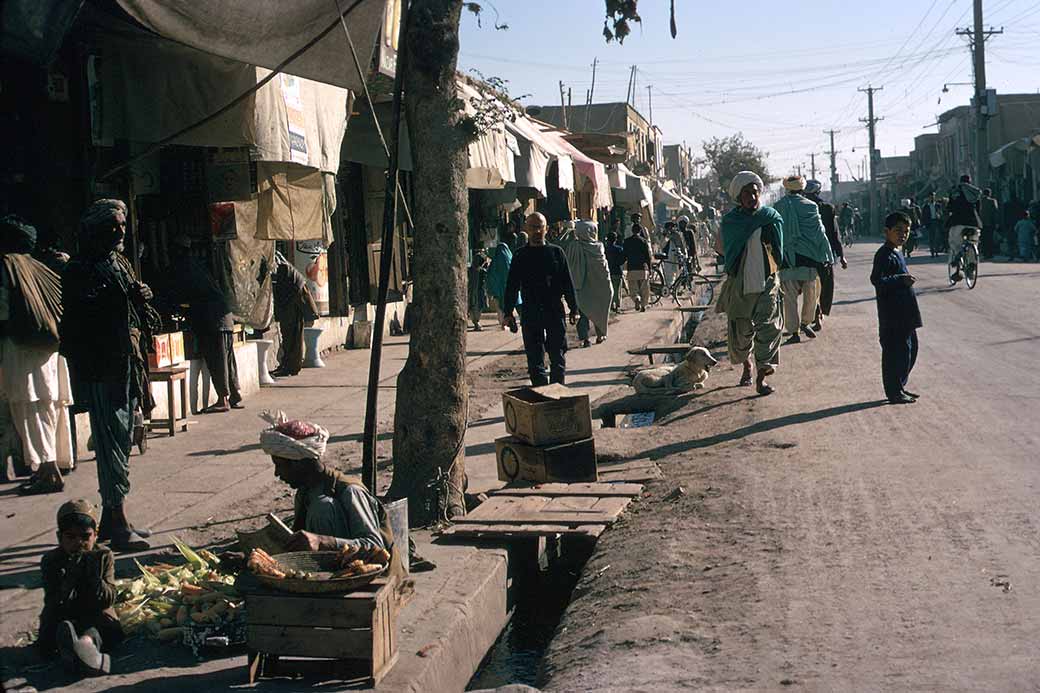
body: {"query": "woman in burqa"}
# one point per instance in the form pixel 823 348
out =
pixel 591 277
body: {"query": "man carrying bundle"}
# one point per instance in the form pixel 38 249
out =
pixel 33 377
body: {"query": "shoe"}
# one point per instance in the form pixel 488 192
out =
pixel 817 326
pixel 902 398
pixel 585 344
pixel 793 339
pixel 764 389
pixel 600 340
pixel 911 394
pixel 808 332
pixel 126 540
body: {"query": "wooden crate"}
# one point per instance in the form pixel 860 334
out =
pixel 349 636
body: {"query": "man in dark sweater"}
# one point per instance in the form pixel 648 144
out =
pixel 211 321
pixel 898 313
pixel 616 262
pixel 638 260
pixel 540 274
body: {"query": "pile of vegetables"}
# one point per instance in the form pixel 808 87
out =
pixel 167 601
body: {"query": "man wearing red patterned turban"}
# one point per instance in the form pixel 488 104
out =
pixel 332 510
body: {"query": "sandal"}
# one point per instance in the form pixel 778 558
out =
pixel 40 485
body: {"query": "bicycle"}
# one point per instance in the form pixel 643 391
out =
pixel 686 286
pixel 847 237
pixel 966 261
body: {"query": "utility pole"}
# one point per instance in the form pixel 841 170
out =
pixel 563 106
pixel 630 94
pixel 650 103
pixel 834 168
pixel 592 94
pixel 871 121
pixel 977 42
pixel 812 164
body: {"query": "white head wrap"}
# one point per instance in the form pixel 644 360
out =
pixel 277 444
pixel 741 180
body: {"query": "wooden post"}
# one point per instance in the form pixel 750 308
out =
pixel 386 255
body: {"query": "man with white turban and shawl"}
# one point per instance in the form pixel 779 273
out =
pixel 591 278
pixel 806 254
pixel 330 510
pixel 105 314
pixel 752 239
pixel 34 380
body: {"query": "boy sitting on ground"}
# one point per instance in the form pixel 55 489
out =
pixel 78 593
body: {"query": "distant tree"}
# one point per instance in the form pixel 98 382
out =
pixel 727 156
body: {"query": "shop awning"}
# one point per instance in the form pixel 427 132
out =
pixel 630 189
pixel 266 32
pixel 1013 151
pixel 669 198
pixel 591 170
pixel 537 150
pixel 152 87
pixel 491 155
pixel 691 204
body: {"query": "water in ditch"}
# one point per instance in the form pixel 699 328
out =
pixel 540 600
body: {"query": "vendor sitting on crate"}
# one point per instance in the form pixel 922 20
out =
pixel 332 510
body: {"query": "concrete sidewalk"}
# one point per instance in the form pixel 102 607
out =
pixel 214 478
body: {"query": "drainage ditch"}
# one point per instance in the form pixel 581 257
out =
pixel 540 596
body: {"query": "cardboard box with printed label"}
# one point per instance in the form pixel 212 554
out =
pixel 547 415
pixel 159 356
pixel 563 463
pixel 176 347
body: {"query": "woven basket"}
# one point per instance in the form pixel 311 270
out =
pixel 322 564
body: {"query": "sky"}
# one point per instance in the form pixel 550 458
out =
pixel 780 74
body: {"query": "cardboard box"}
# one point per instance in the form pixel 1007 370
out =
pixel 176 347
pixel 159 356
pixel 565 463
pixel 547 415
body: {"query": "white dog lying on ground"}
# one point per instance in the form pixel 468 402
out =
pixel 689 374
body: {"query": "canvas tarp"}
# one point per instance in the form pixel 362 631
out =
pixel 293 203
pixel 361 143
pixel 526 130
pixel 630 189
pixel 265 32
pixel 249 262
pixel 589 169
pixel 491 154
pixel 152 88
pixel 669 198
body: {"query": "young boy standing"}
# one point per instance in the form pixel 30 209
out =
pixel 78 592
pixel 898 313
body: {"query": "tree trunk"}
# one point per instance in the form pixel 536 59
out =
pixel 432 393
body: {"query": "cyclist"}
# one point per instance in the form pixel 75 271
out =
pixel 963 218
pixel 845 220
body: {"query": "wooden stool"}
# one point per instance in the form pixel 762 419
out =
pixel 169 375
pixel 347 636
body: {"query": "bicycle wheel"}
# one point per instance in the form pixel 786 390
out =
pixel 971 265
pixel 703 290
pixel 657 286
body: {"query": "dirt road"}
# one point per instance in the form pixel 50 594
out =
pixel 827 540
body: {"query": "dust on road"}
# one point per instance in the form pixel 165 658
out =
pixel 826 540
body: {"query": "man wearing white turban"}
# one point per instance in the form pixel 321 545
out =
pixel 331 510
pixel 752 245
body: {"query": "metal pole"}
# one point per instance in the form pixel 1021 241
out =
pixel 872 158
pixel 981 117
pixel 834 169
pixel 563 106
pixel 386 256
pixel 592 94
